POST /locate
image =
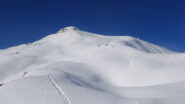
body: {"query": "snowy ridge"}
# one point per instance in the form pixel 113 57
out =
pixel 89 68
pixel 74 34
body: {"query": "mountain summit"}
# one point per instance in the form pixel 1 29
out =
pixel 76 36
pixel 70 28
pixel 77 67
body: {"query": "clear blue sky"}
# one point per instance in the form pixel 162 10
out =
pixel 161 22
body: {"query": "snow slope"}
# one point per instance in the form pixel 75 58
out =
pixel 77 67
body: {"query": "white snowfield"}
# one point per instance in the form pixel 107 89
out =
pixel 77 67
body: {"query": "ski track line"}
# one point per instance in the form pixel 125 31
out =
pixel 62 94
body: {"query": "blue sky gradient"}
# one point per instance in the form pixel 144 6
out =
pixel 158 21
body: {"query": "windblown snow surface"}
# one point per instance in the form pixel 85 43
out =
pixel 78 67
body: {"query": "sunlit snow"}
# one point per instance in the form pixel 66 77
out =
pixel 77 67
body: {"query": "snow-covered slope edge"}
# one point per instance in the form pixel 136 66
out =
pixel 78 67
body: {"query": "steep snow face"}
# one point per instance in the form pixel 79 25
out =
pixel 77 67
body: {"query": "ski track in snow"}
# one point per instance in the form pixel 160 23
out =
pixel 62 94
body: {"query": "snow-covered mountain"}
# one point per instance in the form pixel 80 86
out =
pixel 77 67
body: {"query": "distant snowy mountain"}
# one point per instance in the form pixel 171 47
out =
pixel 77 67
